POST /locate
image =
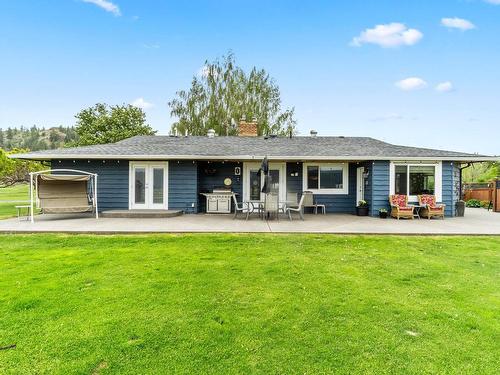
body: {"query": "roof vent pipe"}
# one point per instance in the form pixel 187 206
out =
pixel 313 133
pixel 211 133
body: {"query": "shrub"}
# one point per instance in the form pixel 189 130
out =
pixel 473 203
pixel 485 204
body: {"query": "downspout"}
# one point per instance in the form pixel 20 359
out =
pixel 460 180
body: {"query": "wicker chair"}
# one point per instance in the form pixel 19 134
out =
pixel 399 207
pixel 429 206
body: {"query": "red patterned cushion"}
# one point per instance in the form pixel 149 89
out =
pixel 398 200
pixel 436 207
pixel 405 208
pixel 428 200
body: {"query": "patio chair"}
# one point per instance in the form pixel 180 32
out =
pixel 400 207
pixel 240 207
pixel 271 205
pixel 299 209
pixel 309 202
pixel 429 206
pixel 291 199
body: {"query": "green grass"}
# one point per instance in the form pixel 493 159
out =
pixel 305 304
pixel 17 193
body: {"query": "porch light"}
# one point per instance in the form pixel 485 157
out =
pixel 366 174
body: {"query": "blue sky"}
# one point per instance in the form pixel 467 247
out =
pixel 353 68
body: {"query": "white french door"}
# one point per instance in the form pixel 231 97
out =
pixel 148 185
pixel 253 181
pixel 360 185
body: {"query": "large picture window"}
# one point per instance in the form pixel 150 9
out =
pixel 413 180
pixel 326 178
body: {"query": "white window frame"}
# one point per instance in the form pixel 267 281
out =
pixel 149 165
pixel 345 178
pixel 438 178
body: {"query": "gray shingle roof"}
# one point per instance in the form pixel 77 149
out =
pixel 245 148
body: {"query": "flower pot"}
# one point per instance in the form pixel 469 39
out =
pixel 362 211
pixel 382 215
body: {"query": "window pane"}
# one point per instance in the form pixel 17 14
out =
pixel 275 180
pixel 331 178
pixel 158 185
pixel 140 185
pixel 422 180
pixel 401 179
pixel 254 186
pixel 312 177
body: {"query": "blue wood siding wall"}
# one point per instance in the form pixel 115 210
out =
pixel 112 180
pixel 212 175
pixel 294 183
pixel 379 181
pixel 183 186
pixel 448 187
pixel 456 186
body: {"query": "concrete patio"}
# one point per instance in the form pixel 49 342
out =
pixel 475 222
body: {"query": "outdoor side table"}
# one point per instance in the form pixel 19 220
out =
pixel 416 211
pixel 19 212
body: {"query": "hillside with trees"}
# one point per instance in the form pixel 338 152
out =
pixel 36 138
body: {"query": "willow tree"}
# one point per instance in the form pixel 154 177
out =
pixel 222 93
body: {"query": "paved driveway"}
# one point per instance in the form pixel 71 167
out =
pixel 476 221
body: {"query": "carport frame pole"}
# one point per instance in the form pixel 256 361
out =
pixel 31 198
pixel 95 197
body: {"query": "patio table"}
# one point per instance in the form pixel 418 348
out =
pixel 416 210
pixel 259 206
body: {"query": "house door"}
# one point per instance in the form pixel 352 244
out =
pixel 360 185
pixel 253 181
pixel 148 185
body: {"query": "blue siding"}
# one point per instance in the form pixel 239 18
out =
pixel 183 186
pixel 448 188
pixel 112 180
pixel 379 181
pixel 212 175
pixel 294 183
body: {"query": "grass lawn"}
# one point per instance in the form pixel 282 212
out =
pixel 164 304
pixel 17 193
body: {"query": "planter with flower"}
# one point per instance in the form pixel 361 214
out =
pixel 362 208
pixel 382 213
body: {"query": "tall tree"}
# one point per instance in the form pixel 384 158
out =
pixel 106 124
pixel 223 93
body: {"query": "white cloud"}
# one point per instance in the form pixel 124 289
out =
pixel 412 83
pixel 495 2
pixel 457 23
pixel 445 87
pixel 388 36
pixel 108 6
pixel 141 103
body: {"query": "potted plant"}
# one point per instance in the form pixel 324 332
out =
pixel 382 213
pixel 362 208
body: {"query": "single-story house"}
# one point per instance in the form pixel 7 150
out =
pixel 173 172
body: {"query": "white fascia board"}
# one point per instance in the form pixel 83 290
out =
pixel 250 157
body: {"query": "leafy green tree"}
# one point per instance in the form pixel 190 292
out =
pixel 481 172
pixel 13 171
pixel 107 124
pixel 222 94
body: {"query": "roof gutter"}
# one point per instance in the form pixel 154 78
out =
pixel 247 157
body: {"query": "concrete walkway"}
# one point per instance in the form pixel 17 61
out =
pixel 476 221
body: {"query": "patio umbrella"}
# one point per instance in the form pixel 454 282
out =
pixel 264 168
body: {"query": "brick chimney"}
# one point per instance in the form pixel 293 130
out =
pixel 247 128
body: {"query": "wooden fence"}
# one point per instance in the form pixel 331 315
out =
pixel 484 192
